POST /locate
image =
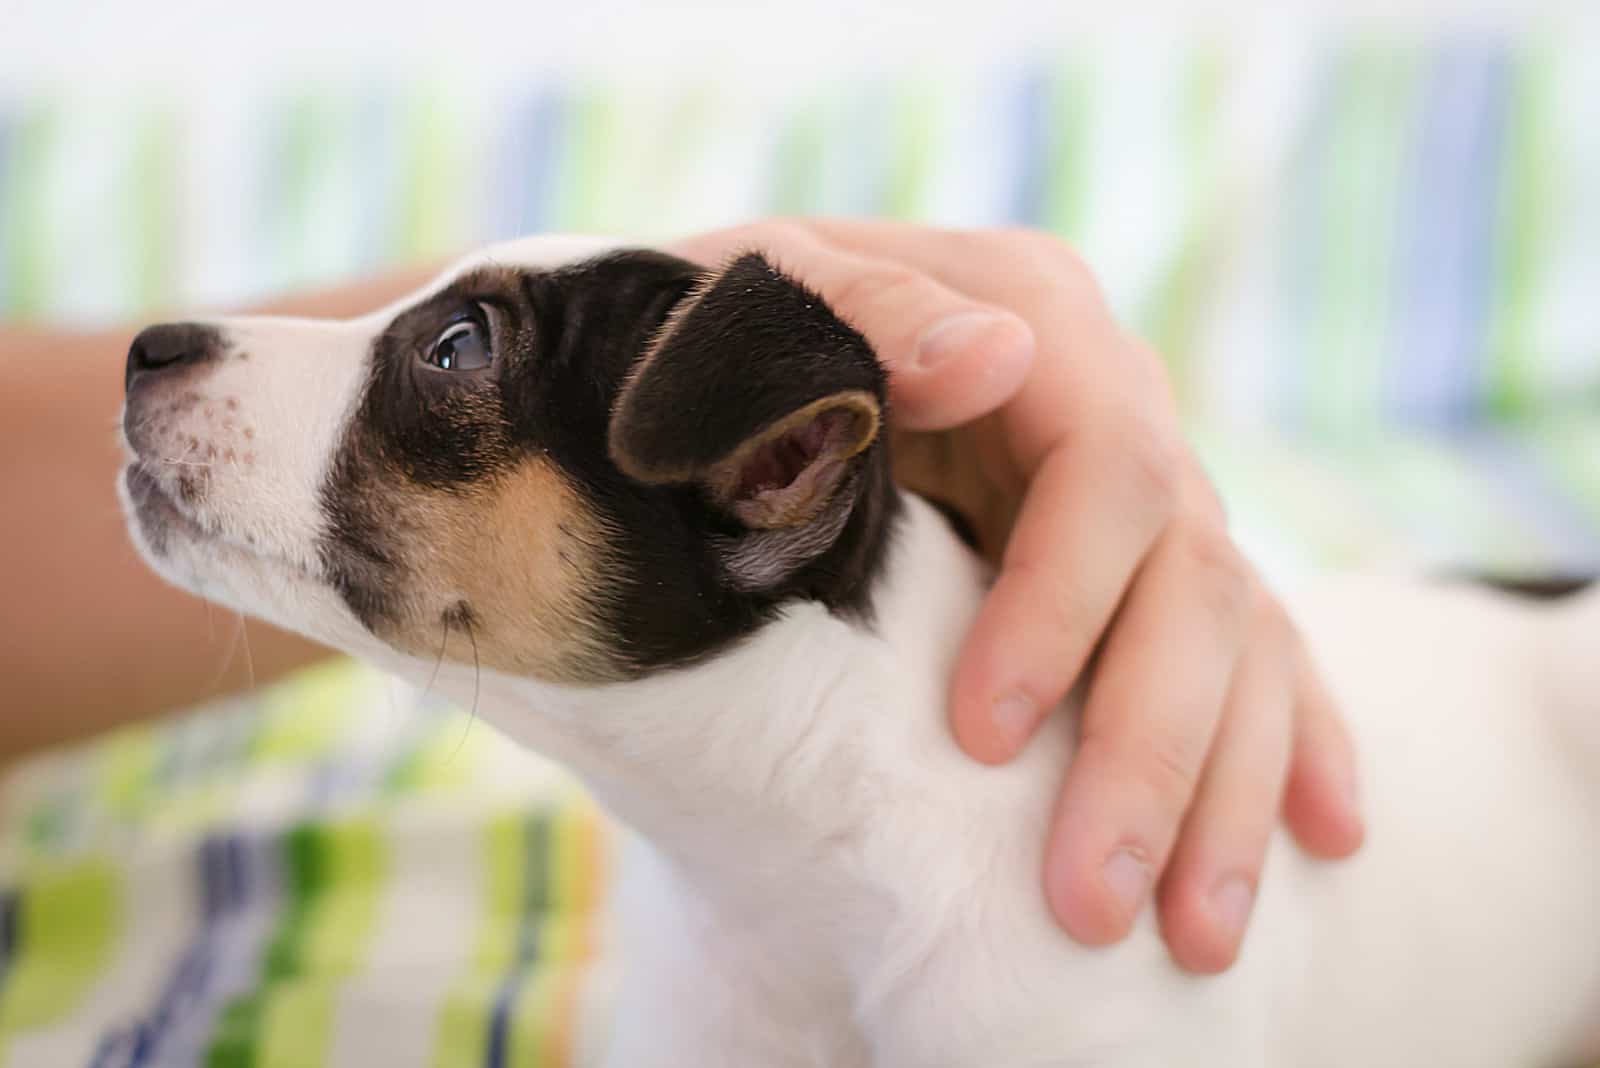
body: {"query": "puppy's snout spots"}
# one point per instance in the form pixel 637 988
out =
pixel 192 487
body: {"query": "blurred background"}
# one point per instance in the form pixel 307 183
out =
pixel 1372 237
pixel 1367 241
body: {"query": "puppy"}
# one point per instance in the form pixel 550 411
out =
pixel 643 516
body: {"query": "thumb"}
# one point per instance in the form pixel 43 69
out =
pixel 951 359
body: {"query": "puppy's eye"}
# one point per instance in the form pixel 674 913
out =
pixel 463 346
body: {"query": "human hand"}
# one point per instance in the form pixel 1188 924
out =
pixel 1016 394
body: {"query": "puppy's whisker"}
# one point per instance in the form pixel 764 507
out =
pixel 477 682
pixel 438 661
pixel 184 460
pixel 228 655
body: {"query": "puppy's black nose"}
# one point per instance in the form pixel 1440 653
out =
pixel 168 347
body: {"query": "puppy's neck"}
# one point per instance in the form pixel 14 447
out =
pixel 765 763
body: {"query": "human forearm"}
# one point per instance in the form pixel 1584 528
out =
pixel 93 638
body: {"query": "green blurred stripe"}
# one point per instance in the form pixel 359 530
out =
pixel 1068 110
pixel 1171 317
pixel 797 164
pixel 1522 230
pixel 915 139
pixel 1375 99
pixel 154 175
pixel 70 922
pixel 335 875
pixel 311 719
pixel 126 764
pixel 431 188
pixel 306 145
pixel 463 1030
pixel 530 1038
pixel 27 236
pixel 581 203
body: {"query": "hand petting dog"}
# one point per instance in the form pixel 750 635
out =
pixel 1018 399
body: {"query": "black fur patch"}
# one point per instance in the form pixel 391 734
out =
pixel 565 341
pixel 790 355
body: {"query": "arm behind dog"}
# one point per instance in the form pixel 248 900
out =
pixel 92 638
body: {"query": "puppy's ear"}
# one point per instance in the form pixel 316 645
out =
pixel 761 396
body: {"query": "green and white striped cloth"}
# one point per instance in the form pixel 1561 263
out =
pixel 1371 263
pixel 331 872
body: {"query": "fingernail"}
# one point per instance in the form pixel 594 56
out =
pixel 1231 902
pixel 1014 716
pixel 1129 879
pixel 951 336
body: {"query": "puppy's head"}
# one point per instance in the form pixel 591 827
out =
pixel 572 469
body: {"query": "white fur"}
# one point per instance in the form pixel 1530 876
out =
pixel 821 878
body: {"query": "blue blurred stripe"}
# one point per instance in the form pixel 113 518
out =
pixel 538 864
pixel 531 154
pixel 1444 236
pixel 1029 115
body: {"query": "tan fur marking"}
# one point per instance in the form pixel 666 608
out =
pixel 520 557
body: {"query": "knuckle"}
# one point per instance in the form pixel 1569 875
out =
pixel 1038 249
pixel 1169 768
pixel 1066 599
pixel 1273 619
pixel 1165 765
pixel 882 284
pixel 1225 578
pixel 1039 243
pixel 1154 462
pixel 775 234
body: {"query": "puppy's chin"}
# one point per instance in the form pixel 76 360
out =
pixel 158 526
pixel 193 559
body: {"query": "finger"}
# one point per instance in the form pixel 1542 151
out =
pixel 1152 710
pixel 951 359
pixel 1048 285
pixel 1045 282
pixel 1321 805
pixel 1209 889
pixel 1093 511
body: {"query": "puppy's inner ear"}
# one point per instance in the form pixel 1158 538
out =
pixel 788 472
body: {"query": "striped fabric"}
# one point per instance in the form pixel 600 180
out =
pixel 332 872
pixel 1370 263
